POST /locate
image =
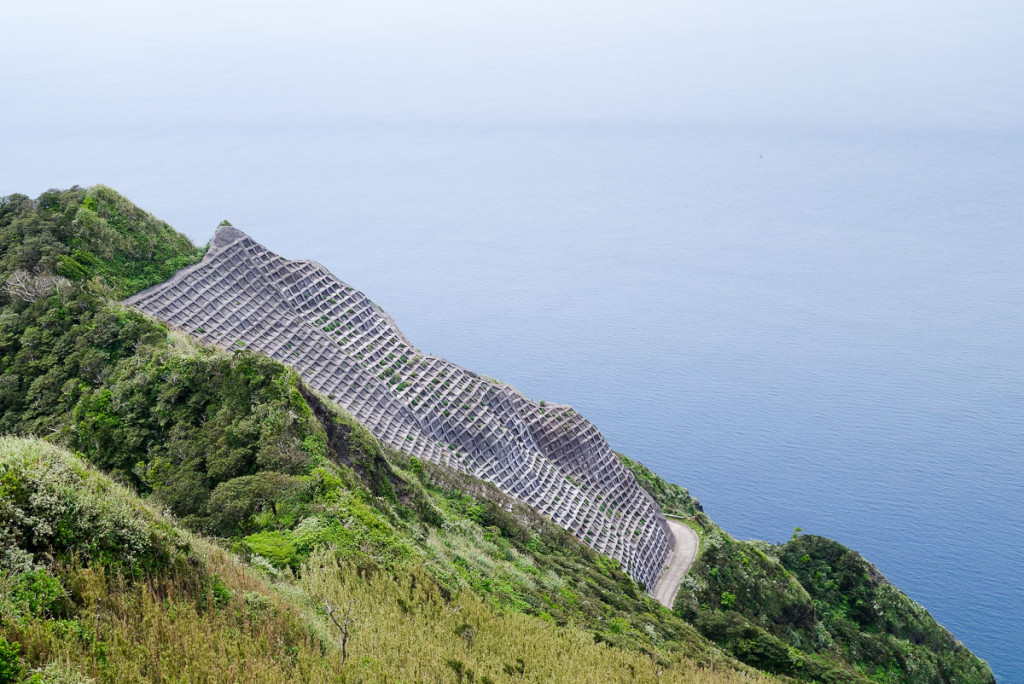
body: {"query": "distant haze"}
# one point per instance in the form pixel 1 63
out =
pixel 896 63
pixel 772 249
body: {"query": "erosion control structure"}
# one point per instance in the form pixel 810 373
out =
pixel 243 296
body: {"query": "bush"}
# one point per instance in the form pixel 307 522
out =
pixel 38 591
pixel 11 668
pixel 57 506
pixel 880 627
pixel 277 547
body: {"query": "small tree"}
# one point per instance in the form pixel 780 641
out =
pixel 29 287
pixel 233 502
pixel 343 627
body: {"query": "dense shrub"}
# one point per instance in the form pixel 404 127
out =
pixel 53 507
pixel 811 609
pixel 881 629
pixel 216 619
pixel 11 667
pixel 673 499
pixel 90 233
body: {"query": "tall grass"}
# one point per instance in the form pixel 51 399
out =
pixel 208 616
pixel 237 627
pixel 407 630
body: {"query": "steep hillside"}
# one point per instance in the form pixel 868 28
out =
pixel 244 296
pixel 234 445
pixel 301 503
pixel 803 607
pixel 98 586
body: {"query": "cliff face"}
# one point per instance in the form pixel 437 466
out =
pixel 244 296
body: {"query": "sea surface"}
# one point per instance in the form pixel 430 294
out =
pixel 807 327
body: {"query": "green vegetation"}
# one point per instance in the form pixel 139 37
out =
pixel 271 501
pixel 94 234
pixel 810 609
pixel 894 637
pixel 97 586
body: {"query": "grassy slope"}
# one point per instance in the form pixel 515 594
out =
pixel 234 446
pixel 105 587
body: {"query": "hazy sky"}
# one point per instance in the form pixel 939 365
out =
pixel 894 63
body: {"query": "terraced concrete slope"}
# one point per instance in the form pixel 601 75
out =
pixel 244 296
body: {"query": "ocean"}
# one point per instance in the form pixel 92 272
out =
pixel 807 327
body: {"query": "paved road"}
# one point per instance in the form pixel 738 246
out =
pixel 678 563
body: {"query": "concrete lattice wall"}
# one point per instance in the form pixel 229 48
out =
pixel 244 296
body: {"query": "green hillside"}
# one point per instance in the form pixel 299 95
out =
pixel 793 607
pixel 97 585
pixel 272 501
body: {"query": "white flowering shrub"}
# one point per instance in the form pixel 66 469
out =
pixel 53 505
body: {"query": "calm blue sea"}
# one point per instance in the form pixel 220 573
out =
pixel 820 328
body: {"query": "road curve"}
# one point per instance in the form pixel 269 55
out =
pixel 678 563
